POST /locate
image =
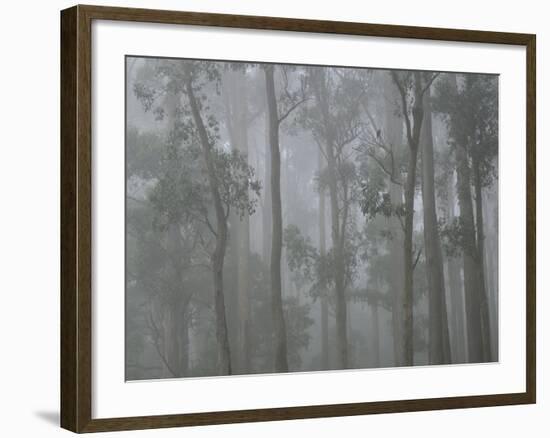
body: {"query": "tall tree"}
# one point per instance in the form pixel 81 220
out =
pixel 439 344
pixel 335 123
pixel 456 289
pixel 323 253
pixel 222 339
pixel 238 115
pixel 276 117
pixel 470 106
pixel 411 90
pixel 281 360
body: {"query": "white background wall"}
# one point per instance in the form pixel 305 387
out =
pixel 29 216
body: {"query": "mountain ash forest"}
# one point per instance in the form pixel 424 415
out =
pixel 290 218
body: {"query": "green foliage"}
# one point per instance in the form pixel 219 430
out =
pixel 297 318
pixel 469 104
pixel 298 323
pixel 375 200
pixel 454 237
pixel 145 146
pixel 302 257
pixel 316 270
pixel 182 190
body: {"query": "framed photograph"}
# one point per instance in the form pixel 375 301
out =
pixel 271 218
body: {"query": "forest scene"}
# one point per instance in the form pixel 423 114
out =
pixel 294 218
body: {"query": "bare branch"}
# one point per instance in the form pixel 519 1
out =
pixel 430 81
pixel 292 108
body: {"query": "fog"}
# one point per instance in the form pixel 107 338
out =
pixel 289 218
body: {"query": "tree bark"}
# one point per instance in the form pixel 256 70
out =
pixel 456 289
pixel 375 334
pixel 439 345
pixel 266 210
pixel 337 226
pixel 407 306
pixel 217 257
pixel 237 108
pixel 394 136
pixel 280 358
pixel 323 251
pixel 413 137
pixel 480 238
pixel 471 274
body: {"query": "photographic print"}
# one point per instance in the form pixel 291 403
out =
pixel 297 218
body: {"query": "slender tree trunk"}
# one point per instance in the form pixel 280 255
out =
pixel 281 360
pixel 171 322
pixel 243 278
pixel 456 290
pixel 439 346
pixel 337 227
pixel 480 238
pixel 407 306
pixel 341 310
pixel 222 339
pixel 375 334
pixel 471 273
pixel 322 250
pixel 184 342
pixel 413 137
pixel 266 210
pixel 394 136
pixel 171 335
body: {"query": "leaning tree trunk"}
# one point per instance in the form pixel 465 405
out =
pixel 439 345
pixel 172 319
pixel 281 360
pixel 222 339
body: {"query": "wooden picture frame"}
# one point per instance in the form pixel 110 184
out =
pixel 76 218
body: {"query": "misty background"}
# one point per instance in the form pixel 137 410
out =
pixel 297 218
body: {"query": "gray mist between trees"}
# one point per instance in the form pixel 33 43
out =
pixel 286 218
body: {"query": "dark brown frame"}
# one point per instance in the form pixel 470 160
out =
pixel 76 218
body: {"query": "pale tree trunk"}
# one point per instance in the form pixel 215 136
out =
pixel 413 136
pixel 266 206
pixel 322 250
pixel 472 292
pixel 471 274
pixel 407 305
pixel 337 226
pixel 242 224
pixel 480 238
pixel 375 334
pixel 171 315
pixel 394 136
pixel 491 263
pixel 171 335
pixel 456 289
pixel 184 360
pixel 280 357
pixel 439 346
pixel 217 258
